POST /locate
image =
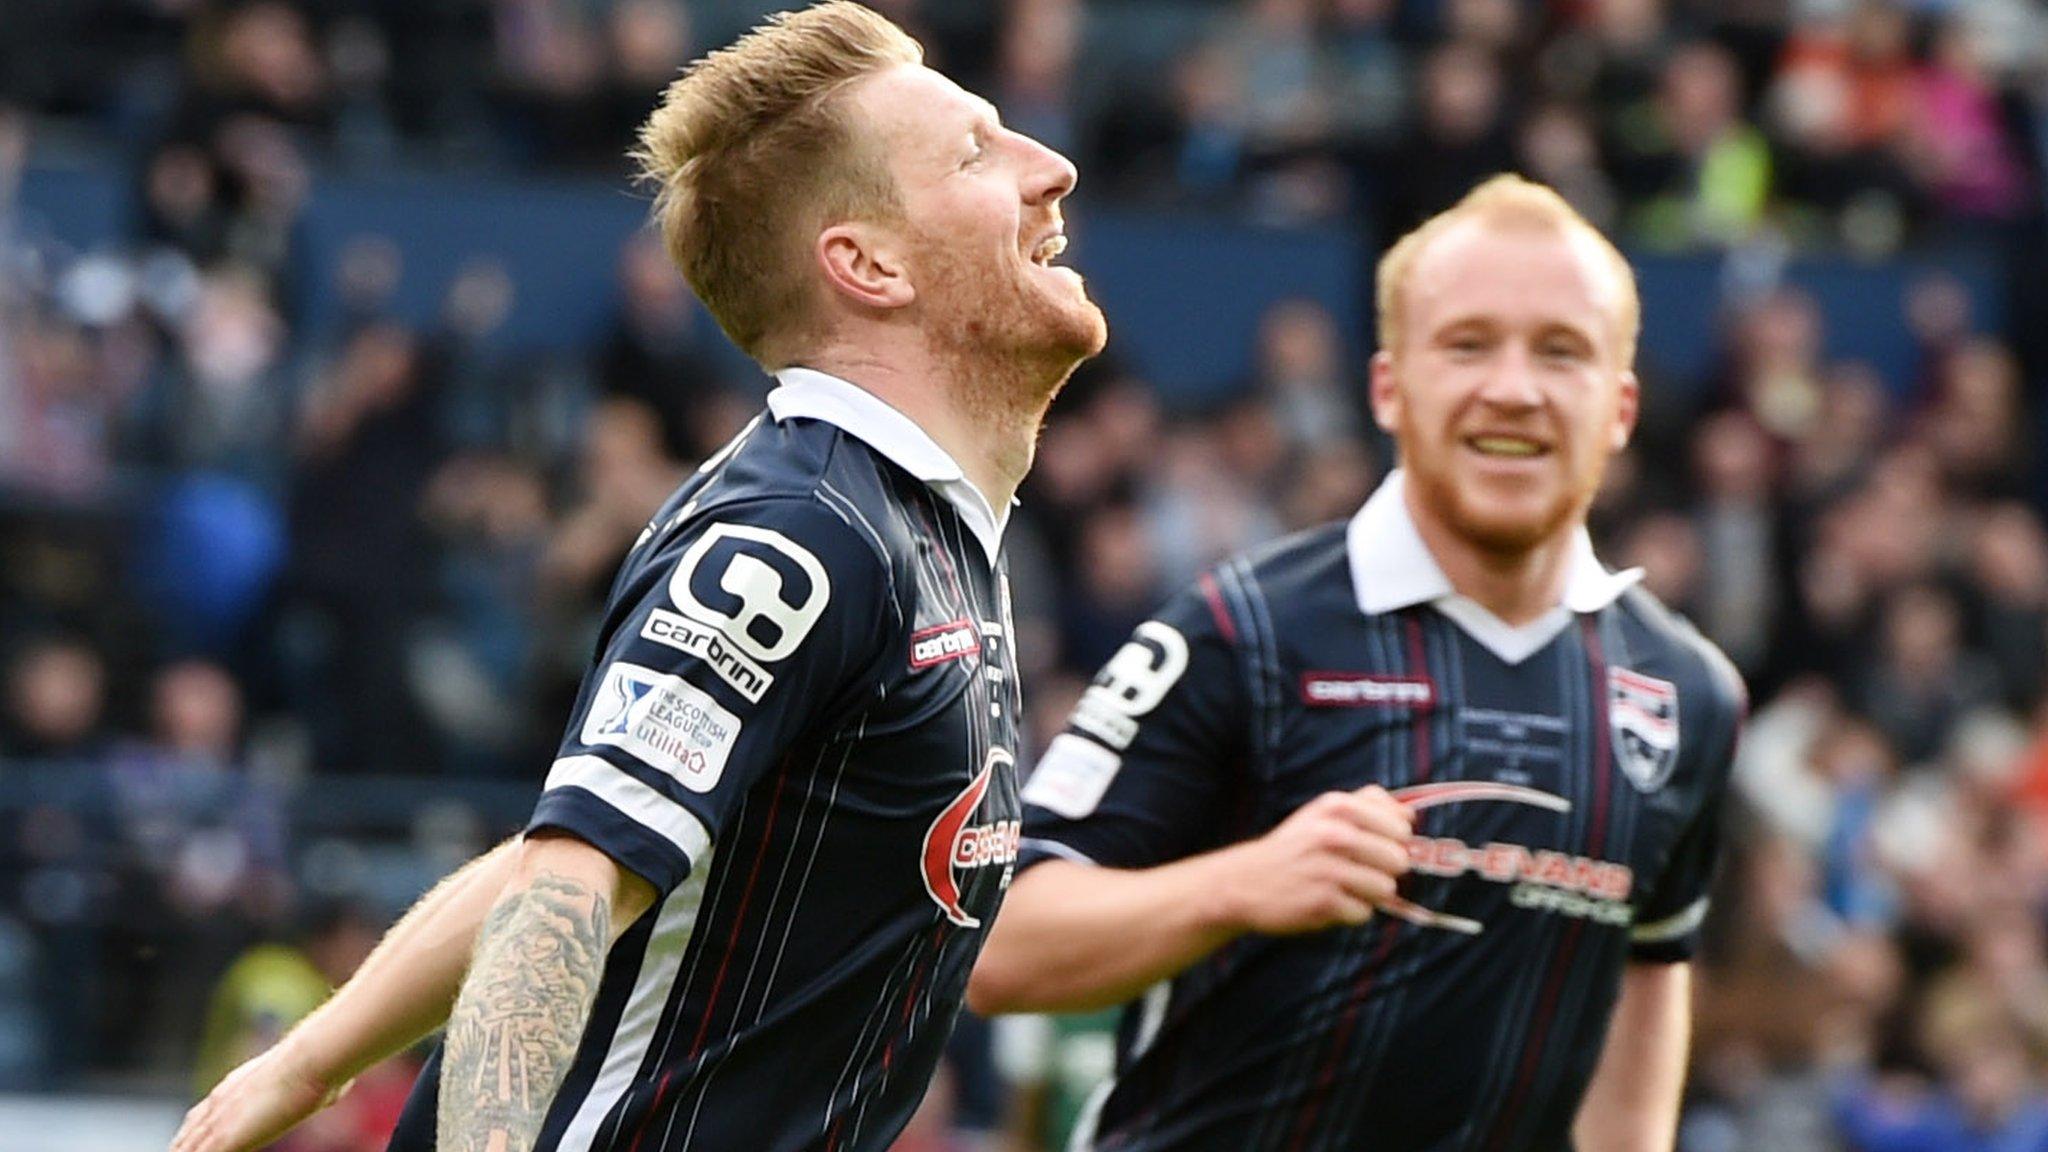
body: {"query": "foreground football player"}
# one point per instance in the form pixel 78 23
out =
pixel 744 912
pixel 1396 834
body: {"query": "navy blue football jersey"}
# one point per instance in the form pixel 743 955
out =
pixel 800 727
pixel 1566 778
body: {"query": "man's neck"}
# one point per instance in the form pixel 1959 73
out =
pixel 1517 587
pixel 981 422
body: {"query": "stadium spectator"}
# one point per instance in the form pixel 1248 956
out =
pixel 1698 174
pixel 1775 368
pixel 1302 374
pixel 1735 601
pixel 1974 422
pixel 1922 679
pixel 654 353
pixel 224 403
pixel 1610 62
pixel 1036 64
pixel 61 419
pixel 272 986
pixel 1365 73
pixel 367 441
pixel 1458 136
pixel 1115 578
pixel 183 205
pixel 199 841
pixel 1841 102
pixel 2008 571
pixel 1212 489
pixel 1208 134
pixel 1959 141
pixel 1852 422
pixel 56 701
pixel 1558 145
pixel 489 513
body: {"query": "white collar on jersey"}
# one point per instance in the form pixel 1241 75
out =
pixel 868 418
pixel 1391 569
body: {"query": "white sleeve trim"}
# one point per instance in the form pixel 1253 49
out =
pixel 634 800
pixel 1671 927
pixel 1055 848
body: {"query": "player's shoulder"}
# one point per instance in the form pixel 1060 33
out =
pixel 772 458
pixel 771 501
pixel 1303 571
pixel 806 474
pixel 1279 582
pixel 1704 669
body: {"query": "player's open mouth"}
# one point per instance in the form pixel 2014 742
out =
pixel 1048 250
pixel 1513 447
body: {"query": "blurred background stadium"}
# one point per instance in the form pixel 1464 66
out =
pixel 336 377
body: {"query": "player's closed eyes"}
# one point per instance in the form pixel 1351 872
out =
pixel 1560 342
pixel 1467 345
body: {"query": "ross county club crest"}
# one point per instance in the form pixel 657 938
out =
pixel 1643 713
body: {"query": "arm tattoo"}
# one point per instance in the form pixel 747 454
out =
pixel 521 1013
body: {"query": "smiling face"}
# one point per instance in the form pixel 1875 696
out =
pixel 1506 384
pixel 981 229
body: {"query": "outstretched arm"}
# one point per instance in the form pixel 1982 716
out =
pixel 1632 1103
pixel 402 991
pixel 529 991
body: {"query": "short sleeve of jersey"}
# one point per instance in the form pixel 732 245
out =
pixel 1142 773
pixel 725 646
pixel 1667 929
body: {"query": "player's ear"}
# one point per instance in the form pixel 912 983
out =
pixel 1628 404
pixel 1386 395
pixel 862 263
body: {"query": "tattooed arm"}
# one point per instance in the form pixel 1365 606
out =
pixel 404 990
pixel 528 994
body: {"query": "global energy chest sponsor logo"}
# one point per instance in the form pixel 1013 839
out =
pixel 943 642
pixel 1544 879
pixel 665 722
pixel 953 845
pixel 1359 690
pixel 707 644
pixel 1643 713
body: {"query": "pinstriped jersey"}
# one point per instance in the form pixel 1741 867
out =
pixel 800 727
pixel 1566 826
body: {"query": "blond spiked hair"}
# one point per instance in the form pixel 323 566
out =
pixel 1512 201
pixel 751 157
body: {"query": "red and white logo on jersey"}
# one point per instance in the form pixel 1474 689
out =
pixel 1642 711
pixel 1359 690
pixel 952 845
pixel 1491 861
pixel 943 642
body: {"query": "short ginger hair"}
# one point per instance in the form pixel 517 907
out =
pixel 751 157
pixel 1513 201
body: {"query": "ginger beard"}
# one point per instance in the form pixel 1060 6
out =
pixel 1016 329
pixel 1500 514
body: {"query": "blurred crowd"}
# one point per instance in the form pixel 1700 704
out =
pixel 1861 122
pixel 247 557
